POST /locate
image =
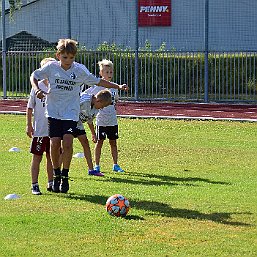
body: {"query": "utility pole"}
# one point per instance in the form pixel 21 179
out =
pixel 4 50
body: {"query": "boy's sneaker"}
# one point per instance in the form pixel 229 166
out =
pixel 97 168
pixel 50 186
pixel 64 186
pixel 95 173
pixel 117 168
pixel 56 183
pixel 35 190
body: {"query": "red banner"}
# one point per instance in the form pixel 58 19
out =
pixel 154 12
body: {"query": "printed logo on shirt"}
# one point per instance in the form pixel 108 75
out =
pixel 72 75
pixel 64 84
pixel 69 88
pixel 57 75
pixel 70 130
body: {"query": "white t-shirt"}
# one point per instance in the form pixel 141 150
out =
pixel 64 88
pixel 40 122
pixel 87 111
pixel 106 116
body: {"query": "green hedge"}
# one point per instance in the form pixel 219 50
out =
pixel 160 73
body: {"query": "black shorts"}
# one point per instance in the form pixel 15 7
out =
pixel 39 145
pixel 111 132
pixel 79 132
pixel 59 128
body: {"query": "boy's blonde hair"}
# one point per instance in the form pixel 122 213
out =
pixel 45 60
pixel 104 96
pixel 104 63
pixel 67 45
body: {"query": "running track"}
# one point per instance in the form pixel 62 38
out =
pixel 239 112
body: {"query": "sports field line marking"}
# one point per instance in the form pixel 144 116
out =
pixel 13 112
pixel 158 117
pixel 154 113
pixel 186 118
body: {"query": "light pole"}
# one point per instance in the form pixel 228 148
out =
pixel 206 52
pixel 136 53
pixel 4 50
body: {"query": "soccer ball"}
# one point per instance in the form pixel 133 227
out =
pixel 117 205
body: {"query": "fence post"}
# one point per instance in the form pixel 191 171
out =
pixel 4 50
pixel 136 53
pixel 206 52
pixel 69 19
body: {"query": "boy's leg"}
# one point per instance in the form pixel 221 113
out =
pixel 55 145
pixel 49 169
pixel 96 170
pixel 87 152
pixel 37 148
pixel 61 130
pixel 67 146
pixel 35 164
pixel 101 136
pixel 114 150
pixel 98 151
pixel 113 135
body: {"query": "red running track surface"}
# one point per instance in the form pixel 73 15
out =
pixel 163 110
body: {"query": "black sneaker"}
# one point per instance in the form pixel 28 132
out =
pixel 35 190
pixel 49 186
pixel 56 183
pixel 64 187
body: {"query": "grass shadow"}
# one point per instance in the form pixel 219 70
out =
pixel 175 179
pixel 123 178
pixel 145 182
pixel 97 199
pixel 157 208
pixel 148 179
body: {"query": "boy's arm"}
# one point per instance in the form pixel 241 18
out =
pixel 109 84
pixel 92 129
pixel 29 127
pixel 34 83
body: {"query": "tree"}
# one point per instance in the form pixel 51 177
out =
pixel 14 5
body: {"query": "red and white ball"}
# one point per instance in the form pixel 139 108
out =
pixel 117 205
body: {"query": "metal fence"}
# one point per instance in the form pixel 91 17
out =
pixel 207 54
pixel 159 75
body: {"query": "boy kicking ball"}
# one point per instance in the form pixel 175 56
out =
pixel 62 104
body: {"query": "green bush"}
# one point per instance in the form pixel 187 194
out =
pixel 161 73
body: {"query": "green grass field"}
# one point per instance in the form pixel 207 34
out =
pixel 191 185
